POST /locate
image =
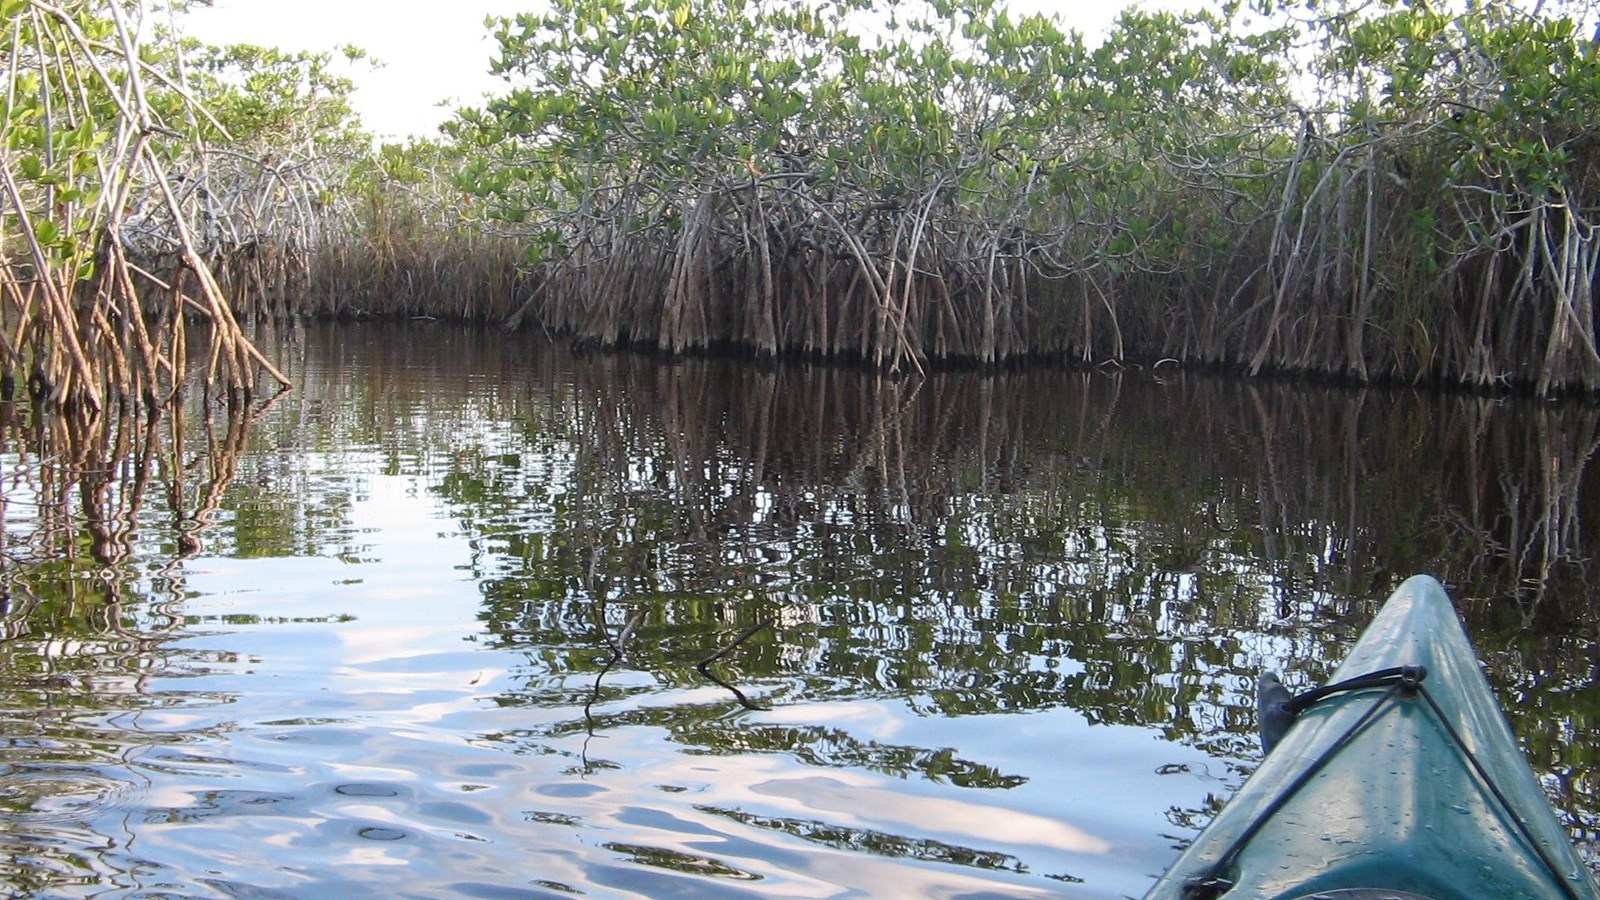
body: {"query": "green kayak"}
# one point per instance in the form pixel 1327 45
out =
pixel 1399 779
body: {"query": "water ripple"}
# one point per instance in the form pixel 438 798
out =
pixel 41 795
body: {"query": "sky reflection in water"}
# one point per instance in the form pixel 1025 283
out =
pixel 381 741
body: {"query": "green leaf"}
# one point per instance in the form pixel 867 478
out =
pixel 46 232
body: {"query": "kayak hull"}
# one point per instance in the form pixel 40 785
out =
pixel 1423 791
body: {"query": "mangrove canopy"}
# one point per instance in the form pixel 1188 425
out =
pixel 1368 189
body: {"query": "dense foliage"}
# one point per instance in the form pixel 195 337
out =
pixel 1373 189
pixel 1378 190
pixel 99 166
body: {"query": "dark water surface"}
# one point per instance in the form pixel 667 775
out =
pixel 464 614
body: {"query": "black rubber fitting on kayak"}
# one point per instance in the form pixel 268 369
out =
pixel 1276 710
pixel 1411 678
pixel 1273 716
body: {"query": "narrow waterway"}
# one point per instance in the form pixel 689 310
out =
pixel 467 614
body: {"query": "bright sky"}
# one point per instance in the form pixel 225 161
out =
pixel 434 52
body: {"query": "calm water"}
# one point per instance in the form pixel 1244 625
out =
pixel 467 614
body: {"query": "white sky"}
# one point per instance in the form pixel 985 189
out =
pixel 434 52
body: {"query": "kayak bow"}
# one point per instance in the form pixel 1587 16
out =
pixel 1399 779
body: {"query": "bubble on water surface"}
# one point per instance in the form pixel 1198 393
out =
pixel 366 790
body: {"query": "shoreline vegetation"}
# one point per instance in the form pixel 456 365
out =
pixel 1368 191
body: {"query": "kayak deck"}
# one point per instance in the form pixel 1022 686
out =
pixel 1413 785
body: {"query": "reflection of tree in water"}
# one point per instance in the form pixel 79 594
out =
pixel 82 488
pixel 878 843
pixel 837 748
pixel 1132 547
pixel 84 499
pixel 76 668
pixel 678 861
